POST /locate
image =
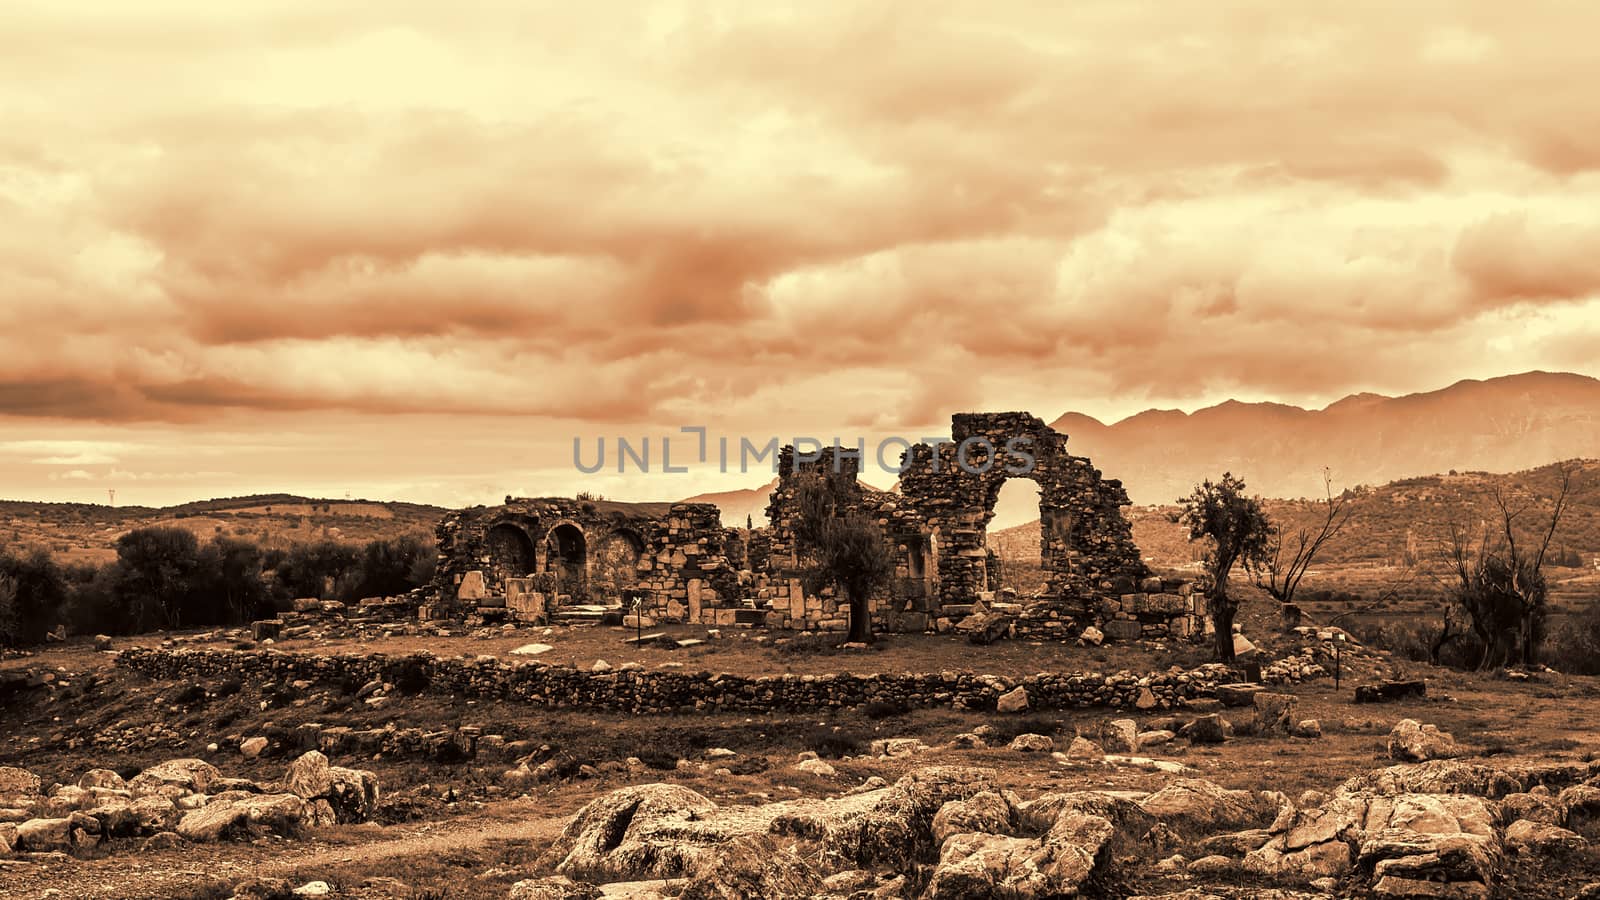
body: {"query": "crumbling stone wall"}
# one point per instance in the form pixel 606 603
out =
pixel 660 691
pixel 1085 541
pixel 937 525
pixel 526 553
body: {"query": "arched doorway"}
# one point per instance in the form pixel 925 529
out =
pixel 510 552
pixel 1019 534
pixel 567 555
pixel 616 565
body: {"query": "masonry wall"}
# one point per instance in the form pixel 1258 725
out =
pixel 655 691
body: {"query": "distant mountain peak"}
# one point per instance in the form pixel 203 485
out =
pixel 1501 424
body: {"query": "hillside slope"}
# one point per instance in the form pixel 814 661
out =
pixel 87 532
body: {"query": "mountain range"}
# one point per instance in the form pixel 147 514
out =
pixel 1504 424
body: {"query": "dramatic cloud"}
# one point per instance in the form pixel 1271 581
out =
pixel 499 224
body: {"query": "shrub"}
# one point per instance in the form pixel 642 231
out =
pixel 1575 646
pixel 412 677
pixel 833 742
pixel 883 709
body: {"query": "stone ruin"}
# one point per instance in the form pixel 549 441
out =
pixel 554 558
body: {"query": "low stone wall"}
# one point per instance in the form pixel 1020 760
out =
pixel 662 691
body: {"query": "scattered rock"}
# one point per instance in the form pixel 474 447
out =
pixel 1120 736
pixel 1411 741
pixel 532 649
pixel 1013 701
pixel 897 747
pixel 1523 836
pixel 1083 748
pixel 554 887
pixel 239 816
pixel 1207 729
pixel 1091 637
pixel 1386 691
pixel 180 776
pixel 1150 739
pixel 1032 743
pixel 253 747
pixel 352 793
pixel 816 767
pixel 1307 728
pixel 1274 713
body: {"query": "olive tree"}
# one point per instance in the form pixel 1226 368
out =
pixel 1236 530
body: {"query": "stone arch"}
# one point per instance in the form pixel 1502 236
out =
pixel 510 551
pixel 1085 539
pixel 614 563
pixel 567 558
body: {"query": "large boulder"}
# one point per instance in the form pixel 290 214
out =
pixel 986 812
pixel 988 865
pixel 175 778
pixel 68 834
pixel 1529 838
pixel 1412 741
pixel 1450 776
pixel 237 815
pixel 1196 805
pixel 352 793
pixel 1120 808
pixel 612 838
pixel 17 784
pixel 102 778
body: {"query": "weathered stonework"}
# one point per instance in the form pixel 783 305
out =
pixel 534 556
pixel 647 691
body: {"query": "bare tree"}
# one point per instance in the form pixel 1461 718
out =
pixel 1282 562
pixel 1499 583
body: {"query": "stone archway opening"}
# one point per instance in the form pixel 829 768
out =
pixel 1019 534
pixel 510 551
pixel 567 553
pixel 615 566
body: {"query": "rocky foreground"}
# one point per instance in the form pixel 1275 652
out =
pixel 182 800
pixel 1442 828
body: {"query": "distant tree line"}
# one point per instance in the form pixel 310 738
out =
pixel 166 578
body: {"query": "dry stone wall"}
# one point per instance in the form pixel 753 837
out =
pixel 663 691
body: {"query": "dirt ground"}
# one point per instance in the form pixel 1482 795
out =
pixel 454 830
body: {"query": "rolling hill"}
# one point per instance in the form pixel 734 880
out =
pixel 87 532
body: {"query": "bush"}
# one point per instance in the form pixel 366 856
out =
pixel 1006 729
pixel 833 742
pixel 1574 648
pixel 412 678
pixel 883 709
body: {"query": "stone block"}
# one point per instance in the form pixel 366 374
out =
pixel 1123 630
pixel 472 587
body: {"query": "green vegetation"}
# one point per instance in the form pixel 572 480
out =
pixel 164 577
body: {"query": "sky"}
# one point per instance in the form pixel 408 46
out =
pixel 409 250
